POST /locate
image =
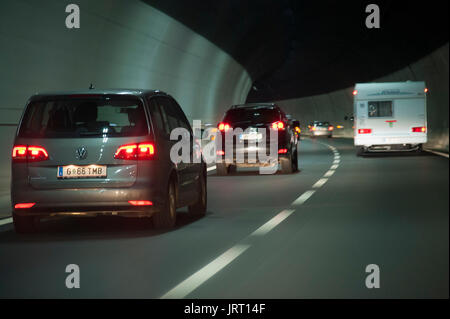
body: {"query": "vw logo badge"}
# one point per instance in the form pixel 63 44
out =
pixel 81 153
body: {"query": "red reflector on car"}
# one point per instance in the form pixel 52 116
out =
pixel 24 205
pixel 140 202
pixel 365 131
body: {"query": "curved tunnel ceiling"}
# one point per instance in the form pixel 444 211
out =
pixel 300 48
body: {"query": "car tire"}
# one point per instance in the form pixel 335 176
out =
pixel 221 169
pixel 287 166
pixel 360 151
pixel 25 224
pixel 199 208
pixel 167 216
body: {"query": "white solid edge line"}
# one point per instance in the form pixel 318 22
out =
pixel 438 153
pixel 198 278
pixel 303 198
pixel 6 221
pixel 211 168
pixel 320 182
pixel 271 224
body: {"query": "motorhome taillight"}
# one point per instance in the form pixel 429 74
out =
pixel 420 129
pixel 30 153
pixel 141 151
pixel 365 131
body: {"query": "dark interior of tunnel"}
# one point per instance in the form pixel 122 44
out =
pixel 294 48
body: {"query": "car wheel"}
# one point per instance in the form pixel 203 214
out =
pixel 166 217
pixel 330 136
pixel 287 165
pixel 25 224
pixel 295 161
pixel 221 169
pixel 360 151
pixel 199 208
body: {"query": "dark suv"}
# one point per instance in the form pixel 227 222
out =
pixel 101 152
pixel 249 127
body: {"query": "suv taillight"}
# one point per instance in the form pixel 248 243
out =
pixel 223 127
pixel 278 125
pixel 141 151
pixel 30 153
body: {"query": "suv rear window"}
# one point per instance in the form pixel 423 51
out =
pixel 86 117
pixel 253 114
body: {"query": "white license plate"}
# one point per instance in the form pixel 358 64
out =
pixel 75 171
pixel 251 136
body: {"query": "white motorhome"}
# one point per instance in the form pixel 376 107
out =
pixel 390 116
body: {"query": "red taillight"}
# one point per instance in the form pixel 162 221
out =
pixel 420 129
pixel 135 151
pixel 330 128
pixel 278 125
pixel 223 127
pixel 355 92
pixel 220 152
pixel 140 202
pixel 426 90
pixel 30 153
pixel 282 151
pixel 24 205
pixel 365 131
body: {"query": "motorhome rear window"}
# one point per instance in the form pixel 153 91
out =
pixel 380 108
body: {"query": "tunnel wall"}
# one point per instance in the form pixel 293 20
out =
pixel 334 106
pixel 120 44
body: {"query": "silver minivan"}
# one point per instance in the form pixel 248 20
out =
pixel 97 152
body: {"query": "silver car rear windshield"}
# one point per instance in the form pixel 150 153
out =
pixel 85 117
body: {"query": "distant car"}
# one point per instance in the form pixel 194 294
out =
pixel 102 152
pixel 250 118
pixel 318 128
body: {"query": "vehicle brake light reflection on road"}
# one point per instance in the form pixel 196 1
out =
pixel 24 205
pixel 365 131
pixel 140 202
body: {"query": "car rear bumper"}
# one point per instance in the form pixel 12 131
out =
pixel 321 133
pixel 86 202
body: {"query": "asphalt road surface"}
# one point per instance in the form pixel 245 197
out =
pixel 307 235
